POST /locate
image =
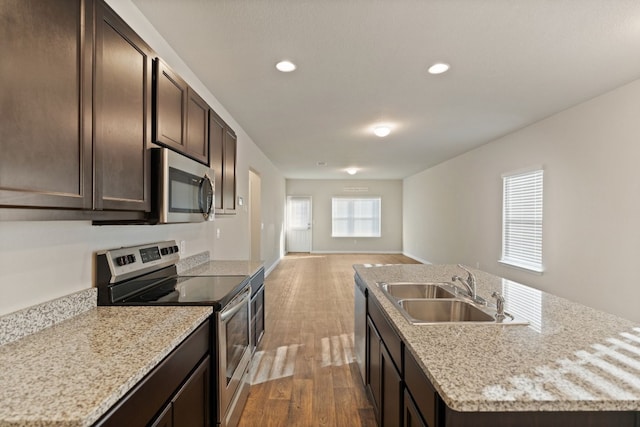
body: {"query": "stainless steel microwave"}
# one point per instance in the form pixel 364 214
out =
pixel 183 190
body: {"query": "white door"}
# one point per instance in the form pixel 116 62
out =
pixel 298 224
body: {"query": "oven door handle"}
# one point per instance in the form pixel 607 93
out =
pixel 230 310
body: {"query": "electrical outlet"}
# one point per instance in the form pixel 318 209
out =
pixel 217 233
pixel 183 247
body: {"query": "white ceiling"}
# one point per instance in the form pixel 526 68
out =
pixel 513 62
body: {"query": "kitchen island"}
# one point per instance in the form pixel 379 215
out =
pixel 72 373
pixel 571 365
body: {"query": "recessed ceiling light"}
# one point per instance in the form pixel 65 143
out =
pixel 321 163
pixel 382 130
pixel 285 66
pixel 438 68
pixel 352 171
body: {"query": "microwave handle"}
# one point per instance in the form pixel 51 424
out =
pixel 207 195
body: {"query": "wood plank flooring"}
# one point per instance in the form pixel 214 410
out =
pixel 304 371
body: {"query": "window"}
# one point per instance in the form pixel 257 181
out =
pixel 522 220
pixel 355 217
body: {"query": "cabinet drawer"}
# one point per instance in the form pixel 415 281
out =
pixel 423 393
pixel 387 333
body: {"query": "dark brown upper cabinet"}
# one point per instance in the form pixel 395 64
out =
pixel 180 115
pixel 223 146
pixel 46 97
pixel 122 115
pixel 76 113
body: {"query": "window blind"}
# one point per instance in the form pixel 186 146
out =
pixel 522 220
pixel 355 217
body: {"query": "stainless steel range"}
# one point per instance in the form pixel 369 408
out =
pixel 147 275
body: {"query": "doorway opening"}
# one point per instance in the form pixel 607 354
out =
pixel 255 216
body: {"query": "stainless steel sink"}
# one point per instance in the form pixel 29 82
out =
pixel 424 303
pixel 403 290
pixel 443 310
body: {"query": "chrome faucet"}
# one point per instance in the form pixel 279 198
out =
pixel 469 283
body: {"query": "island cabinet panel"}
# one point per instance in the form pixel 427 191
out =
pixel 176 392
pixel 180 115
pixel 223 154
pixel 45 82
pixel 383 374
pixel 539 419
pixel 122 116
pixel 411 414
pixel 426 398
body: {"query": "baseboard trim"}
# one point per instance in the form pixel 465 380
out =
pixel 424 261
pixel 268 271
pixel 356 252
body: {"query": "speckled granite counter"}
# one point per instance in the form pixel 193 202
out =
pixel 224 268
pixel 71 373
pixel 570 358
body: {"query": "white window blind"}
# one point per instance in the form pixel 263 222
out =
pixel 355 217
pixel 522 220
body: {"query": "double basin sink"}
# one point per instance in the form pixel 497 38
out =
pixel 442 302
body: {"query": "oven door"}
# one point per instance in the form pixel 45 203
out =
pixel 234 356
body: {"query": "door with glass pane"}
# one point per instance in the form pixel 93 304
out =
pixel 298 224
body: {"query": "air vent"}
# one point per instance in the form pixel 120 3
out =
pixel 356 189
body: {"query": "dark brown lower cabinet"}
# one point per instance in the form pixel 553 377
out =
pixel 384 382
pixel 175 393
pixel 190 407
pixel 411 415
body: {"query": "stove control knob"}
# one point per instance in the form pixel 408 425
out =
pixel 164 251
pixel 121 260
pixel 131 259
pixel 175 249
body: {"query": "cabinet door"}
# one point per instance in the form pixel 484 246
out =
pixel 122 115
pixel 45 90
pixel 229 171
pixel 411 415
pixel 165 419
pixel 259 317
pixel 374 367
pixel 197 127
pixel 223 151
pixel 216 148
pixel 392 398
pixel 191 404
pixel 170 103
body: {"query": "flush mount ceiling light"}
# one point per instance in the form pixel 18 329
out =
pixel 382 130
pixel 439 68
pixel 286 66
pixel 352 171
pixel 321 163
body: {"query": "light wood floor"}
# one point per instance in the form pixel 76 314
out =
pixel 304 371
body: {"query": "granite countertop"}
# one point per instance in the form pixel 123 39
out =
pixel 71 373
pixel 224 268
pixel 569 358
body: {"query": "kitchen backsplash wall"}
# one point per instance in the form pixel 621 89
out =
pixel 591 237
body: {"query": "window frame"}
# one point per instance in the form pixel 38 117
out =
pixel 352 219
pixel 523 219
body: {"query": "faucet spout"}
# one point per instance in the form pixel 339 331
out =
pixel 469 283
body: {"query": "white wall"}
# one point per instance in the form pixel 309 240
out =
pixel 321 192
pixel 40 261
pixel 591 237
